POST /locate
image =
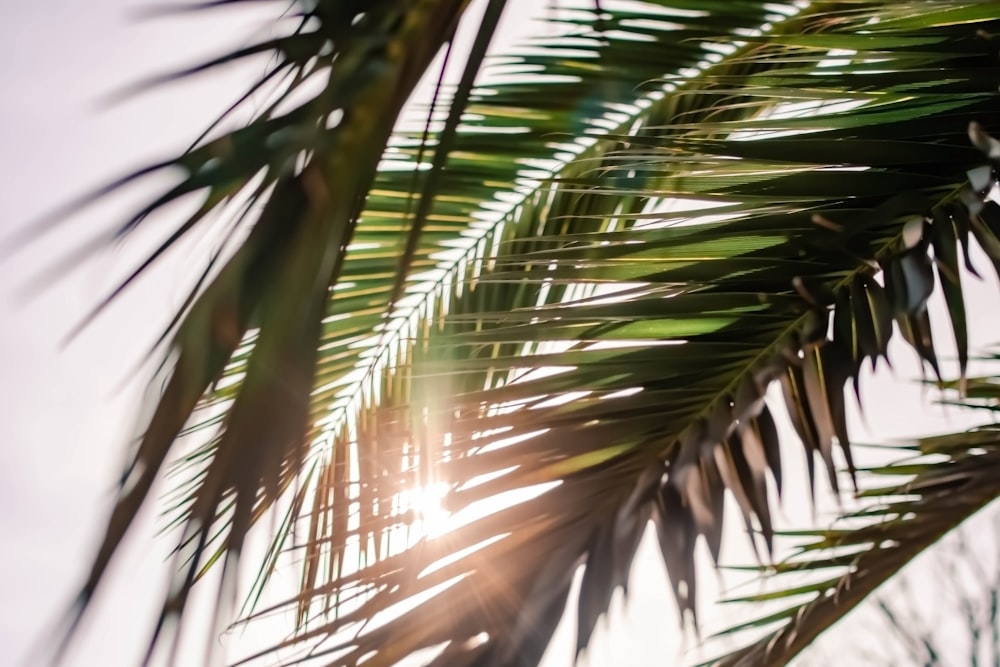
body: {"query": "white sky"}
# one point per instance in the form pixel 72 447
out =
pixel 67 411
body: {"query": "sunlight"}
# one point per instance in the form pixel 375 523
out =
pixel 425 504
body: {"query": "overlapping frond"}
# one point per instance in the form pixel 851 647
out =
pixel 306 163
pixel 658 333
pixel 601 348
pixel 947 479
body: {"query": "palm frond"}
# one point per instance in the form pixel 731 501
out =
pixel 751 293
pixel 307 169
pixel 605 343
pixel 947 479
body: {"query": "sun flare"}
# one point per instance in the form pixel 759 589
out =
pixel 426 505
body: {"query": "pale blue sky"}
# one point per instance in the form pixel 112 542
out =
pixel 67 411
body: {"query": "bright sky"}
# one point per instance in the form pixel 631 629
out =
pixel 67 410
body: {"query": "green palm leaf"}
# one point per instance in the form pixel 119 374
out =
pixel 947 479
pixel 687 256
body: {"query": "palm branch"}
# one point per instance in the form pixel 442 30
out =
pixel 946 479
pixel 388 325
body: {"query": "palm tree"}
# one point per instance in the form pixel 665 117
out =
pixel 576 278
